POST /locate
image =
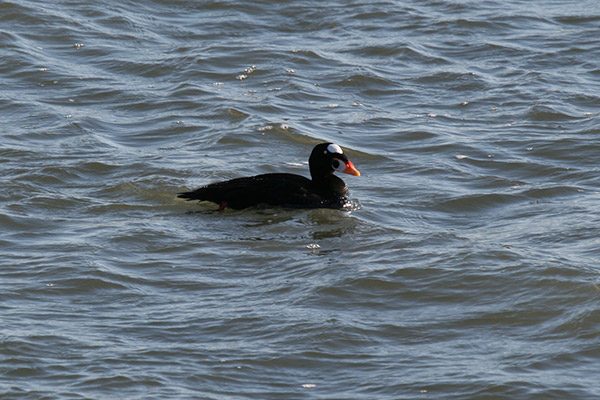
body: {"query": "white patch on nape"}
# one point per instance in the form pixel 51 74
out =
pixel 334 148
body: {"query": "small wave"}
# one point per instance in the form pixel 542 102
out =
pixel 549 113
pixel 478 202
pixel 552 192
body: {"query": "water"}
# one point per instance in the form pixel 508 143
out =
pixel 470 269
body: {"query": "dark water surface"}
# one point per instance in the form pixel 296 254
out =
pixel 468 270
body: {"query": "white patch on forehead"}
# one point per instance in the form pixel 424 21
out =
pixel 334 148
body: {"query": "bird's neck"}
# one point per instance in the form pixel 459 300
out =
pixel 322 177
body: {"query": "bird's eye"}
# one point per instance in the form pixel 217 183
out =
pixel 337 165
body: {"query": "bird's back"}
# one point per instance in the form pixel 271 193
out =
pixel 278 189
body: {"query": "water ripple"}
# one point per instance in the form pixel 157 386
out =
pixel 467 269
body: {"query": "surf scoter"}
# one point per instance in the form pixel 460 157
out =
pixel 324 190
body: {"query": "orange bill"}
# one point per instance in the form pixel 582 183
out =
pixel 350 169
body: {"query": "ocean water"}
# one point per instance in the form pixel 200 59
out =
pixel 468 268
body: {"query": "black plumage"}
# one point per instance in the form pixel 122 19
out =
pixel 324 190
